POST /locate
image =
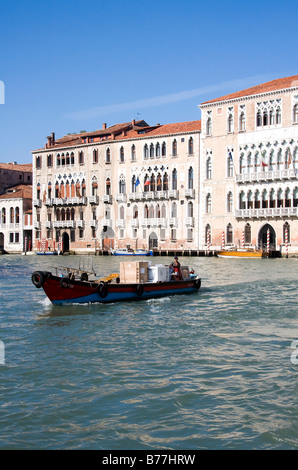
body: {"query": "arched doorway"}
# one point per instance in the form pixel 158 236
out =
pixel 262 241
pixel 65 242
pixel 153 241
pixel 107 238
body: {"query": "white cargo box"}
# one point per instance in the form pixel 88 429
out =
pixel 158 273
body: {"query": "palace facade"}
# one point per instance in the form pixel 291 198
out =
pixel 229 179
pixel 249 167
pixel 128 184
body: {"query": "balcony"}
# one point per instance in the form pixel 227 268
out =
pixel 134 223
pixel 80 223
pixel 93 223
pixel 37 202
pixel 272 175
pixel 189 221
pixel 121 197
pixel 266 213
pixel 120 223
pixel 173 221
pixel 173 193
pixel 107 198
pixel 59 201
pixel 154 222
pixel 93 200
pixel 49 201
pixel 107 222
pixel 37 225
pixel 189 193
pixel 64 224
pixel 48 224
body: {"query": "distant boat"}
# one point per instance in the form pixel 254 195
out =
pixel 131 252
pixel 48 253
pixel 242 253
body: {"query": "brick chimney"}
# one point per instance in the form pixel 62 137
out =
pixel 104 125
pixel 133 122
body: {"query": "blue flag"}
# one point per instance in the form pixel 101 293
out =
pixel 137 182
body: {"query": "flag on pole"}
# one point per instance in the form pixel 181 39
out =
pixel 137 182
pixel 147 182
pixel 263 163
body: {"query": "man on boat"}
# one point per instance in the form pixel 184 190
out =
pixel 176 270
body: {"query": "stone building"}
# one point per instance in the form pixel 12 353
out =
pixel 128 184
pixel 13 174
pixel 249 168
pixel 16 219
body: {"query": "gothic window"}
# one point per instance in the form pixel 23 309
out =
pixel 208 204
pixel 242 122
pixel 174 210
pixel 133 153
pixel 190 209
pixel 157 149
pixel 163 149
pixel 146 152
pixel 174 148
pixel 230 202
pixel 190 178
pixel 108 155
pixel 165 185
pixel 247 234
pixel 108 186
pixel 174 179
pixel 95 156
pixel 295 113
pixel 121 154
pixel 122 186
pixel 229 234
pixel 151 150
pixel 209 168
pixel 190 146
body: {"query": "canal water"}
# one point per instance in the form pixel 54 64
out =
pixel 212 370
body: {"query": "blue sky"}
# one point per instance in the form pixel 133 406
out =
pixel 69 66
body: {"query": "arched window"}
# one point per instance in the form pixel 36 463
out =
pixel 208 204
pixel 247 234
pixel 108 186
pixel 230 123
pixel 133 153
pixel 121 154
pixel 242 202
pixel 151 212
pixel 133 184
pixel 190 209
pixel 146 152
pixel 272 198
pixel 190 146
pixel 278 116
pixel 264 199
pixel 67 159
pixel 280 202
pixel 229 234
pixel 288 198
pixel 230 165
pixel 230 202
pixel 81 158
pixel 151 150
pixel 208 126
pixel 174 210
pixel 157 212
pixel 3 216
pixel 265 118
pixel 12 215
pixel 208 168
pixel 249 200
pixel 295 113
pixel 159 182
pixel 174 179
pixel 146 212
pixel 157 149
pixel 108 155
pixel 122 186
pixel 163 211
pixel 94 186
pixel 95 156
pixel 174 148
pixel 165 185
pixel 152 182
pixel 122 212
pixel 135 212
pixel 190 178
pixel 242 122
pixel 163 149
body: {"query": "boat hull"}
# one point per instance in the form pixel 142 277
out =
pixel 65 291
pixel 240 254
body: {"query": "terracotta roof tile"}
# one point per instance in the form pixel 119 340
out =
pixel 16 167
pixel 21 191
pixel 273 85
